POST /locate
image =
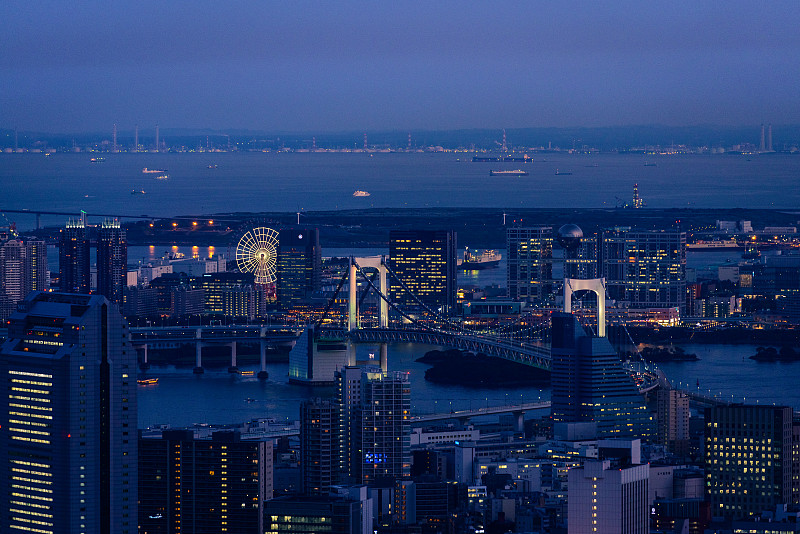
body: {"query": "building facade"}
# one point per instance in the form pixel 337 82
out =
pixel 319 435
pixel 748 453
pixel 673 420
pixel 590 384
pixel 424 264
pixel 299 269
pixel 23 268
pixel 112 261
pixel 199 486
pixel 74 260
pixel 68 447
pixel 529 260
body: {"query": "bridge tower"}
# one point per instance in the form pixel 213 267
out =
pixel 598 287
pixel 376 262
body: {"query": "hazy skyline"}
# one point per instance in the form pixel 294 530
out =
pixel 306 66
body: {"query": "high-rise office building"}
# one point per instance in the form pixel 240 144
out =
pixel 23 268
pixel 319 443
pixel 590 384
pixel 112 261
pixel 748 453
pixel 645 269
pixel 229 294
pixel 68 445
pixel 424 261
pixel 529 260
pixel 374 424
pixel 203 486
pixel 299 269
pixel 74 261
pixel 673 420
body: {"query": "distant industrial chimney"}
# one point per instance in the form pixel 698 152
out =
pixel 769 138
pixel 761 145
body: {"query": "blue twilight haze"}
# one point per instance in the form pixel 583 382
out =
pixel 332 66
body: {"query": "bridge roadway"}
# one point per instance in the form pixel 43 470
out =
pixel 535 355
pixel 491 410
pixel 213 334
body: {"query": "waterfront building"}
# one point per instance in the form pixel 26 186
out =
pixel 424 262
pixel 529 260
pixel 590 384
pixel 644 269
pixel 112 261
pixel 228 294
pixel 608 496
pixel 74 262
pixel 316 357
pixel 140 302
pixel 319 434
pixel 749 457
pixel 673 420
pixel 68 447
pixel 23 268
pixel 203 486
pixel 299 269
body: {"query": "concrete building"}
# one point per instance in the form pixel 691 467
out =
pixel 749 456
pixel 68 447
pixel 299 268
pixel 673 420
pixel 424 261
pixel 606 497
pixel 23 268
pixel 529 260
pixel 346 510
pixel 319 435
pixel 112 261
pixel 74 261
pixel 590 384
pixel 203 486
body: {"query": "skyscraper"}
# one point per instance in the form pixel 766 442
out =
pixel 748 453
pixel 73 259
pixel 299 271
pixel 23 268
pixel 68 442
pixel 590 384
pixel 673 420
pixel 112 261
pixel 319 442
pixel 203 486
pixel 374 424
pixel 645 269
pixel 425 263
pixel 529 252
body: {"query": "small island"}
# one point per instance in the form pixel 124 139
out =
pixel 660 354
pixel 479 370
pixel 771 354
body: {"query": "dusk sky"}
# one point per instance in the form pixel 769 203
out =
pixel 332 66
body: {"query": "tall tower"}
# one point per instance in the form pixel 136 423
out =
pixel 73 258
pixel 68 449
pixel 112 261
pixel 425 261
pixel 769 138
pixel 299 270
pixel 590 384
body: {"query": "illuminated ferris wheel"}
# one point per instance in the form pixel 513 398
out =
pixel 257 252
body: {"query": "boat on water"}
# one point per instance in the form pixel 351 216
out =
pixel 162 177
pixel 517 172
pixel 247 373
pixel 147 381
pixel 360 193
pixel 97 160
pixel 212 166
pixel 138 192
pixel 153 171
pixel 722 244
pixel 474 261
pixel 562 173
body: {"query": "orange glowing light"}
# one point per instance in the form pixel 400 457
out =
pixel 151 225
pixel 194 223
pixel 174 224
pixel 210 222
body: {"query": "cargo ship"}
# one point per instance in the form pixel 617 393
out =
pixel 360 193
pixel 153 171
pixel 723 244
pixel 517 172
pixel 488 259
